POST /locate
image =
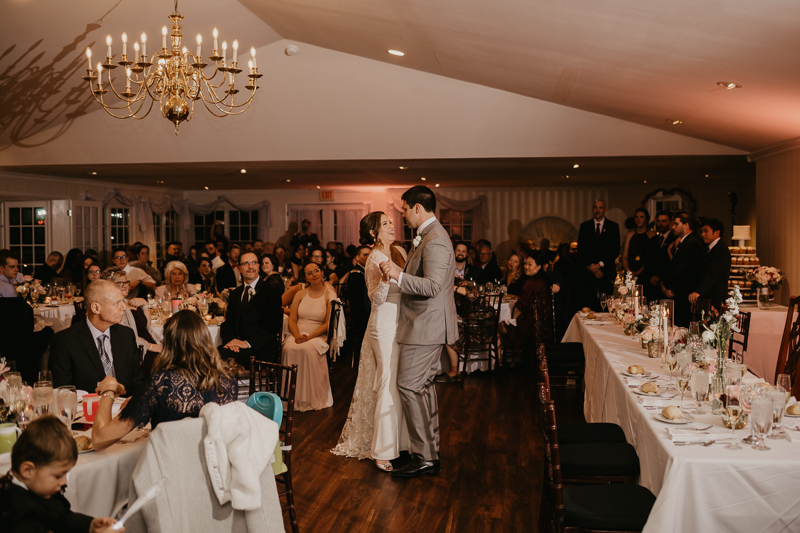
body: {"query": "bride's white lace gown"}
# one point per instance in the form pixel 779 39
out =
pixel 375 425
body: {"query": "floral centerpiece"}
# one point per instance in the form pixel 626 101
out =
pixel 765 279
pixel 718 329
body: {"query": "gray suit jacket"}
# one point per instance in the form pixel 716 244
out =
pixel 428 311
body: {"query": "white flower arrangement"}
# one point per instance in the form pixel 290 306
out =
pixel 766 277
pixel 20 288
pixel 417 240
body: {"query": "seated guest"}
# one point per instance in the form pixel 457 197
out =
pixel 514 278
pixel 136 276
pixel 142 255
pixel 215 254
pixel 31 494
pixel 249 247
pixel 464 271
pixel 9 268
pixel 269 272
pixel 306 346
pixel 258 247
pixel 487 269
pixel 204 276
pixel 136 317
pixel 334 266
pixel 91 273
pixel 536 281
pixel 73 264
pixel 187 374
pixel 283 260
pixel 254 320
pixel 91 252
pixel 49 270
pixel 298 259
pixel 716 266
pixel 176 276
pixel 316 255
pixel 18 340
pixel 228 276
pixel 99 346
pixel 174 252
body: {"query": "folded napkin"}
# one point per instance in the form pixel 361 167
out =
pixel 595 322
pixel 692 435
pixel 135 435
pixel 657 402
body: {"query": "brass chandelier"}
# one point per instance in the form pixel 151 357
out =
pixel 175 78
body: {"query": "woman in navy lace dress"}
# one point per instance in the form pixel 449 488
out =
pixel 187 374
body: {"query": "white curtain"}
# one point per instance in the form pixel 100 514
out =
pixel 348 222
pixel 479 207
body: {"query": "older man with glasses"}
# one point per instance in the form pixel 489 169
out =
pixel 136 276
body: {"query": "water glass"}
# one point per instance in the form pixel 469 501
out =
pixel 14 380
pixel 778 405
pixel 734 412
pixel 784 381
pixel 67 397
pixel 43 396
pixel 699 385
pixel 761 417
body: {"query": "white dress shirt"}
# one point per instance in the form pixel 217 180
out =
pixel 710 246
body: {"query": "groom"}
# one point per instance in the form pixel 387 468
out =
pixel 426 321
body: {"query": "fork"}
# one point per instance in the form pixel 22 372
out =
pixel 684 443
pixel 702 428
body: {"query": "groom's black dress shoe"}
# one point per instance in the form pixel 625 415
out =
pixel 417 467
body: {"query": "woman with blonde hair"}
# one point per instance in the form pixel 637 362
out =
pixel 187 374
pixel 176 281
pixel 375 426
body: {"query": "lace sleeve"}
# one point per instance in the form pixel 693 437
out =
pixel 377 289
pixel 140 408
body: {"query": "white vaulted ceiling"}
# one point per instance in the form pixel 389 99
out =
pixel 480 79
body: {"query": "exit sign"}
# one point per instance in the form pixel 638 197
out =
pixel 326 195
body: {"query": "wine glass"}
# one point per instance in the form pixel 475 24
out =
pixel 749 393
pixel 67 403
pixel 77 291
pixel 699 384
pixel 35 296
pixel 683 382
pixel 23 290
pixel 778 405
pixel 784 381
pixel 734 411
pixel 671 361
pixel 761 416
pixel 43 397
pixel 24 411
pixel 69 292
pixel 603 301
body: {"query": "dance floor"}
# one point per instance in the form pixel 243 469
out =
pixel 491 463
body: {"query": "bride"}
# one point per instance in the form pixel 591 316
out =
pixel 375 425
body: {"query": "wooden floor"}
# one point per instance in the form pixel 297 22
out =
pixel 491 456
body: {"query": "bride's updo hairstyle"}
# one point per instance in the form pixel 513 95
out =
pixel 370 227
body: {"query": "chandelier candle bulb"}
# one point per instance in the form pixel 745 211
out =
pixel 250 64
pixel 216 34
pixel 164 37
pixel 136 50
pixel 99 76
pixel 89 57
pixel 128 80
pixel 199 42
pixel 224 52
pixel 108 42
pixel 253 55
pixel 124 44
pixel 235 50
pixel 144 46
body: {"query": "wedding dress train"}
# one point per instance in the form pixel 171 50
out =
pixel 375 426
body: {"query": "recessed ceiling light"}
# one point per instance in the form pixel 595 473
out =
pixel 397 53
pixel 729 85
pixel 576 165
pixel 287 181
pixel 645 181
pixel 567 177
pixel 243 171
pixel 437 184
pixel 403 168
pixel 318 187
pixel 93 173
pixel 706 175
pixel 674 121
pixel 206 188
pixel 423 179
pixel 160 181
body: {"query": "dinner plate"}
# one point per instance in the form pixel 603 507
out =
pixel 639 392
pixel 685 419
pixel 791 416
pixel 645 375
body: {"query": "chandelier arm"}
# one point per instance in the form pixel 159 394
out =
pixel 225 113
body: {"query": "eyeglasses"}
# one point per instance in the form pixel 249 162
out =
pixel 482 253
pixel 122 284
pixel 93 272
pixel 120 257
pixel 248 263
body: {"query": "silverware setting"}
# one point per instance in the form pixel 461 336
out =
pixel 684 443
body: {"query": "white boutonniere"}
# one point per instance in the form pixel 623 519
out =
pixel 251 291
pixel 199 287
pixel 417 240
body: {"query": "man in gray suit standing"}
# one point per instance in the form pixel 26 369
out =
pixel 426 322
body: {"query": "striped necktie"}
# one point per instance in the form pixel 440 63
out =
pixel 108 368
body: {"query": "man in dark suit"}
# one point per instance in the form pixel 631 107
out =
pixel 687 258
pixel 358 300
pixel 657 265
pixel 49 269
pixel 228 275
pixel 716 267
pixel 18 340
pixel 487 270
pixel 84 354
pixel 598 249
pixel 254 321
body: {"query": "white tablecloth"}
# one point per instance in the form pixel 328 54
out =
pixel 57 318
pixel 698 488
pixel 766 330
pixel 213 330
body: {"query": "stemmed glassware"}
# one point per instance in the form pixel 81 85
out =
pixel 778 405
pixel 761 417
pixel 69 292
pixel 67 398
pixel 35 296
pixel 750 393
pixel 683 381
pixel 699 384
pixel 43 397
pixel 603 301
pixel 671 361
pixel 734 409
pixel 785 382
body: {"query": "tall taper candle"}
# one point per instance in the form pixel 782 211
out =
pixel 164 37
pixel 108 42
pixel 144 46
pixel 89 56
pixel 124 43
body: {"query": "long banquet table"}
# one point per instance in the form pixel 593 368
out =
pixel 698 488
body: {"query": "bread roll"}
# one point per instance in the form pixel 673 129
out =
pixel 591 315
pixel 649 388
pixel 84 443
pixel 585 310
pixel 672 413
pixel 635 369
pixel 793 409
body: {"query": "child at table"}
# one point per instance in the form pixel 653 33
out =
pixel 31 499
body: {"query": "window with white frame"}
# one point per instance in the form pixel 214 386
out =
pixel 242 226
pixel 204 223
pixel 27 233
pixel 167 229
pixel 119 227
pixel 457 223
